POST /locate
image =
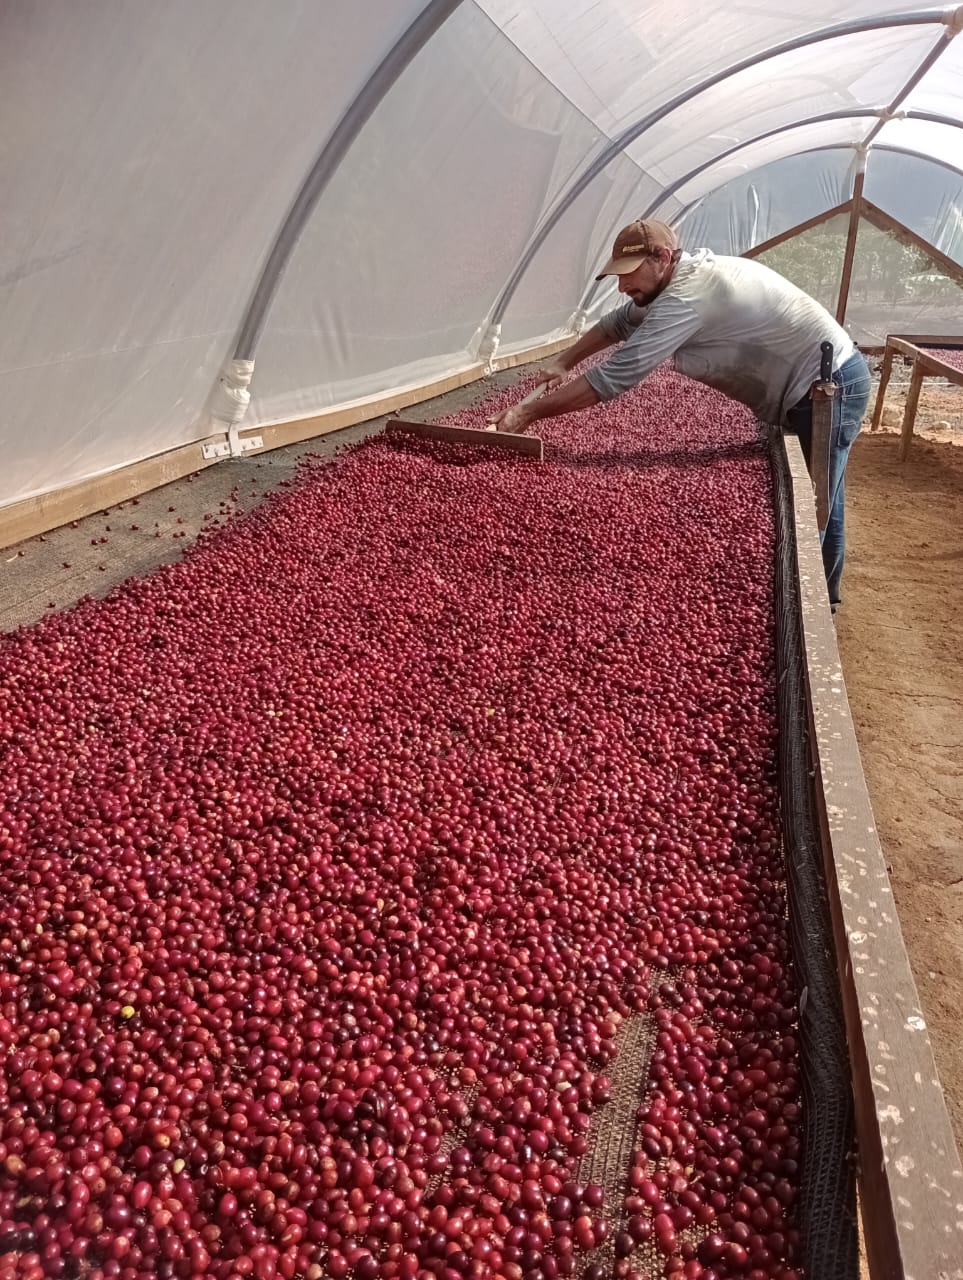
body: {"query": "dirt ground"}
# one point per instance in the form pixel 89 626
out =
pixel 899 634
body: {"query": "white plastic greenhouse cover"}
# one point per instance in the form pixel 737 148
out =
pixel 362 198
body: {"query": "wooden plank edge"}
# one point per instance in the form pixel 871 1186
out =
pixel 293 430
pixel 910 1173
pixel 798 229
pixel 277 435
pixel 32 516
pixel 541 352
pixel 928 339
pixel 932 365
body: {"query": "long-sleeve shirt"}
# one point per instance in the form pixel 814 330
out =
pixel 729 322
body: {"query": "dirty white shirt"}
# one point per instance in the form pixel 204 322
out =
pixel 731 323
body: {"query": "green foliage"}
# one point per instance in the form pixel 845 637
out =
pixel 887 271
pixel 813 260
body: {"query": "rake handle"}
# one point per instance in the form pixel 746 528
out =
pixel 532 395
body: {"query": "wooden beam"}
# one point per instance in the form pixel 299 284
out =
pixel 278 434
pixel 797 230
pixel 928 340
pixel 909 1167
pixel 32 516
pixel 292 431
pixel 885 370
pixel 902 233
pixel 909 413
pixel 541 352
pixel 850 252
pixel 931 365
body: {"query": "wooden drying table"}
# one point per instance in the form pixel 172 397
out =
pixel 925 365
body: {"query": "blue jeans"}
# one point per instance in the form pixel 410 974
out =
pixel 849 407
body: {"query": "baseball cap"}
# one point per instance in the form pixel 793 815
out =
pixel 635 243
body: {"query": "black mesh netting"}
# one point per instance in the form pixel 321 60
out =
pixel 827 1204
pixel 827 1213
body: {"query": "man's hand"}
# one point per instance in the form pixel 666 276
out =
pixel 577 393
pixel 515 419
pixel 554 373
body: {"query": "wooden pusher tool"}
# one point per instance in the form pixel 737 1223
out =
pixel 529 446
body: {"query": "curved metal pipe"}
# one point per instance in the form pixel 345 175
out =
pixel 920 17
pixel 843 114
pixel 877 146
pixel 405 48
pixel 941 46
pixel 907 151
pixel 670 191
pixel 851 146
pixel 930 117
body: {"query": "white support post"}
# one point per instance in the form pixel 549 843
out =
pixel 229 404
pixel 577 321
pixel 488 347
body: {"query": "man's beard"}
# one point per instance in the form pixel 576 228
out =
pixel 643 297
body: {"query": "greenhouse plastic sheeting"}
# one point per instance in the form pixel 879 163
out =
pixel 941 88
pixel 847 132
pixel 927 138
pixel 614 61
pixel 150 157
pixel 857 71
pixel 924 196
pixel 565 267
pixel 147 158
pixel 764 203
pixel 896 286
pixel 398 269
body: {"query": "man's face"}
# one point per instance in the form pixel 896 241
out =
pixel 645 283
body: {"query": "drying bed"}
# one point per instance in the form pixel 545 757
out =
pixel 946 355
pixel 925 362
pixel 395 886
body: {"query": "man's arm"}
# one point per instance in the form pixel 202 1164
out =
pixel 577 394
pixel 590 344
pixel 558 368
pixel 648 345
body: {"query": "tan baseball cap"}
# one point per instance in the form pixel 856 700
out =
pixel 635 243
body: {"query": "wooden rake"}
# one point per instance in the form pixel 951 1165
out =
pixel 527 446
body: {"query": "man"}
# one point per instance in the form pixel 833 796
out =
pixel 729 322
